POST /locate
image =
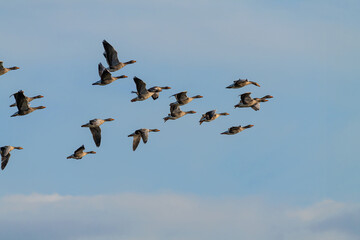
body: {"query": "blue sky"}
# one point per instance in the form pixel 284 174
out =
pixel 301 152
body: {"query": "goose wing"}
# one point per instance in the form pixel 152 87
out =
pixel 1 65
pixel 104 73
pixel 5 151
pixel 180 96
pixel 79 150
pixel 209 115
pixel 21 102
pixel 174 108
pixel 4 160
pixel 155 96
pixel 140 85
pixel 136 141
pixel 144 135
pixel 110 54
pixel 96 132
pixel 256 107
pixel 234 129
pixel 245 98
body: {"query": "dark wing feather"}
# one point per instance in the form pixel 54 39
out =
pixel 136 141
pixel 144 135
pixel 209 115
pixel 155 96
pixel 234 129
pixel 140 85
pixel 21 102
pixel 245 98
pixel 110 54
pixel 79 150
pixel 1 65
pixel 174 108
pixel 181 96
pixel 96 132
pixel 4 161
pixel 106 75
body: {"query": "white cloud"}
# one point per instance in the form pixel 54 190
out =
pixel 170 216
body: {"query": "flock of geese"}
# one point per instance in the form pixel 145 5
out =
pixel 143 93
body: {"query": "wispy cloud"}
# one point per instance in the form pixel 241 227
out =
pixel 170 216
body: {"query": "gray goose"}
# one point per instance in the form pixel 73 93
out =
pixel 4 70
pixel 28 99
pixel 5 155
pixel 105 76
pixel 242 83
pixel 143 134
pixel 79 153
pixel 211 116
pixel 175 112
pixel 247 101
pixel 236 129
pixel 23 104
pixel 182 98
pixel 95 129
pixel 143 93
pixel 111 57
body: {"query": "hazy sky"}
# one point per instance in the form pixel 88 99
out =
pixel 299 158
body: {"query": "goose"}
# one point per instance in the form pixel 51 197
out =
pixel 106 77
pixel 141 133
pixel 143 93
pixel 112 58
pixel 236 129
pixel 247 101
pixel 211 116
pixel 79 153
pixel 182 98
pixel 256 107
pixel 4 70
pixel 23 105
pixel 29 99
pixel 95 129
pixel 242 83
pixel 5 155
pixel 175 112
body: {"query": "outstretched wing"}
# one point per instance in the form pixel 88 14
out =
pixel 144 135
pixel 21 102
pixel 245 98
pixel 110 54
pixel 174 107
pixel 4 161
pixel 180 96
pixel 136 141
pixel 104 73
pixel 155 96
pixel 256 107
pixel 79 150
pixel 209 115
pixel 140 85
pixel 96 133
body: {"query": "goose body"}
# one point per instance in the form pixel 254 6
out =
pixel 182 98
pixel 4 70
pixel 236 129
pixel 28 99
pixel 247 101
pixel 23 105
pixel 143 134
pixel 143 93
pixel 105 76
pixel 95 129
pixel 242 83
pixel 5 155
pixel 176 112
pixel 211 116
pixel 111 57
pixel 79 153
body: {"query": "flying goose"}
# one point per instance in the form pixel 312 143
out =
pixel 175 112
pixel 182 98
pixel 79 153
pixel 143 93
pixel 256 107
pixel 211 116
pixel 112 58
pixel 247 101
pixel 28 99
pixel 95 129
pixel 4 70
pixel 5 155
pixel 105 76
pixel 23 105
pixel 236 129
pixel 242 83
pixel 141 133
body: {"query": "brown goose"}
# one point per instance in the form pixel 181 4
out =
pixel 5 155
pixel 105 76
pixel 247 101
pixel 143 134
pixel 23 105
pixel 211 116
pixel 236 129
pixel 143 93
pixel 182 98
pixel 112 58
pixel 28 99
pixel 4 70
pixel 79 153
pixel 175 112
pixel 95 129
pixel 242 83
